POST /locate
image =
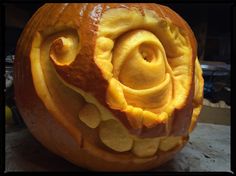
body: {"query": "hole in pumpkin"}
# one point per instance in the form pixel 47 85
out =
pixel 146 57
pixel 148 52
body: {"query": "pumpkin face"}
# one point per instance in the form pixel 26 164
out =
pixel 112 87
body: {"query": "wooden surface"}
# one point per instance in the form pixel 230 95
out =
pixel 207 150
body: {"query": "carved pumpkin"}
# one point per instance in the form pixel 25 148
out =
pixel 109 87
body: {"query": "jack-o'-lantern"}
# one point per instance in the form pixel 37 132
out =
pixel 109 87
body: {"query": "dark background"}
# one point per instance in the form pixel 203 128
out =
pixel 210 23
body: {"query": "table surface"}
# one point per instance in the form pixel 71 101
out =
pixel 207 150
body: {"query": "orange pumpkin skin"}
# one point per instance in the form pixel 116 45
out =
pixel 58 128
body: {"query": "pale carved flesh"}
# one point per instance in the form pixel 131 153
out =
pixel 146 62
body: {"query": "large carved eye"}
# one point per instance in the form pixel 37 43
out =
pixel 148 63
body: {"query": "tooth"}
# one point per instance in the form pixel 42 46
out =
pixel 115 136
pixel 169 142
pixel 145 147
pixel 90 115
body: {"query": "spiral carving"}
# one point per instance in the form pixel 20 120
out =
pixel 62 51
pixel 56 45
